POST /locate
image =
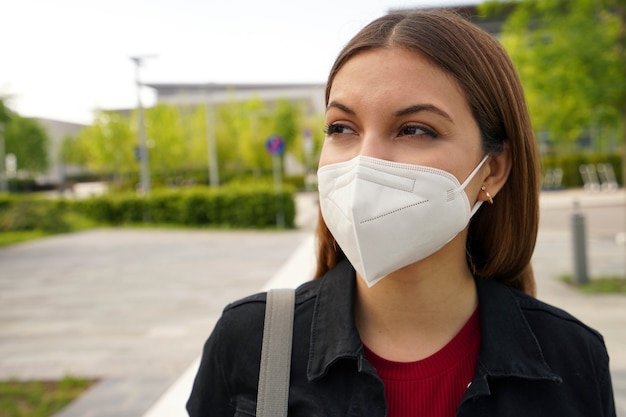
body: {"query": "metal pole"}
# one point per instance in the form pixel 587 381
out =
pixel 580 246
pixel 278 189
pixel 141 132
pixel 214 174
pixel 4 185
pixel 307 146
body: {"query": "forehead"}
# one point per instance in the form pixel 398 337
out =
pixel 395 72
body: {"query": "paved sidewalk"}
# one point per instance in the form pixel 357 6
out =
pixel 605 218
pixel 133 307
pixel 130 308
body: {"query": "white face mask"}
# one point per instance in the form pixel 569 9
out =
pixel 386 215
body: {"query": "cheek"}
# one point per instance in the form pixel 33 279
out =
pixel 332 153
pixel 473 190
pixel 326 156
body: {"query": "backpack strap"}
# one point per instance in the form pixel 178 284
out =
pixel 273 391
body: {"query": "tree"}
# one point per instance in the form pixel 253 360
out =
pixel 166 139
pixel 4 118
pixel 177 139
pixel 195 121
pixel 28 141
pixel 242 129
pixel 571 57
pixel 71 153
pixel 108 146
pixel 4 111
pixel 287 124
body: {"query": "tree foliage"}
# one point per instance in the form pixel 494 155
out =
pixel 25 139
pixel 107 146
pixel 177 139
pixel 4 111
pixel 287 124
pixel 166 138
pixel 571 59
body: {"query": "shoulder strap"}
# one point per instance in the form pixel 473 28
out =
pixel 273 391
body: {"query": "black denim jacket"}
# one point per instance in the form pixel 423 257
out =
pixel 534 360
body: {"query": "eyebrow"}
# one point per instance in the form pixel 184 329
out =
pixel 422 107
pixel 340 107
pixel 403 112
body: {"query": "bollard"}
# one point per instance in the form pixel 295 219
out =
pixel 580 246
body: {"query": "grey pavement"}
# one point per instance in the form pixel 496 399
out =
pixel 129 307
pixel 132 308
pixel 605 219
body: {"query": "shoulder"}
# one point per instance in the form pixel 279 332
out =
pixel 543 317
pixel 564 339
pixel 560 335
pixel 304 293
pixel 248 313
pixel 539 315
pixel 553 355
pixel 239 331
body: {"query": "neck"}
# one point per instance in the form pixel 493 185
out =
pixel 415 311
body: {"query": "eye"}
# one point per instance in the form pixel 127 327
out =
pixel 337 129
pixel 417 130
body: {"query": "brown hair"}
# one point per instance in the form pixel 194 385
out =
pixel 501 236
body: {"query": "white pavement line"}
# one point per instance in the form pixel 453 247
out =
pixel 172 402
pixel 299 268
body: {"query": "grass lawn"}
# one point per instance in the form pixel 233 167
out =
pixel 39 398
pixel 599 285
pixel 8 238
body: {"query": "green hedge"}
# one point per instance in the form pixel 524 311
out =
pixel 25 214
pixel 235 207
pixel 570 163
pixel 238 206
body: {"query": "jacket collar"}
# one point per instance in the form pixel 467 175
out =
pixel 509 347
pixel 333 332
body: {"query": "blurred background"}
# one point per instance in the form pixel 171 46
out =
pixel 205 118
pixel 217 79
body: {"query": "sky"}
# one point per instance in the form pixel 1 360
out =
pixel 65 59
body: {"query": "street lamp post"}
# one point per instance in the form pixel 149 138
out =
pixel 214 173
pixel 141 130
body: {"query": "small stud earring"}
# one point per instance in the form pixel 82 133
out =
pixel 489 198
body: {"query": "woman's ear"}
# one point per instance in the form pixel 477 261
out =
pixel 499 169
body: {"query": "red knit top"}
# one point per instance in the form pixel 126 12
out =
pixel 434 386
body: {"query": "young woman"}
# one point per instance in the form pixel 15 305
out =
pixel 423 302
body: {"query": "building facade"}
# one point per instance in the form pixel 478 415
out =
pixel 311 96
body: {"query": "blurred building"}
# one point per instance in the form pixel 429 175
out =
pixel 492 24
pixel 57 131
pixel 310 96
